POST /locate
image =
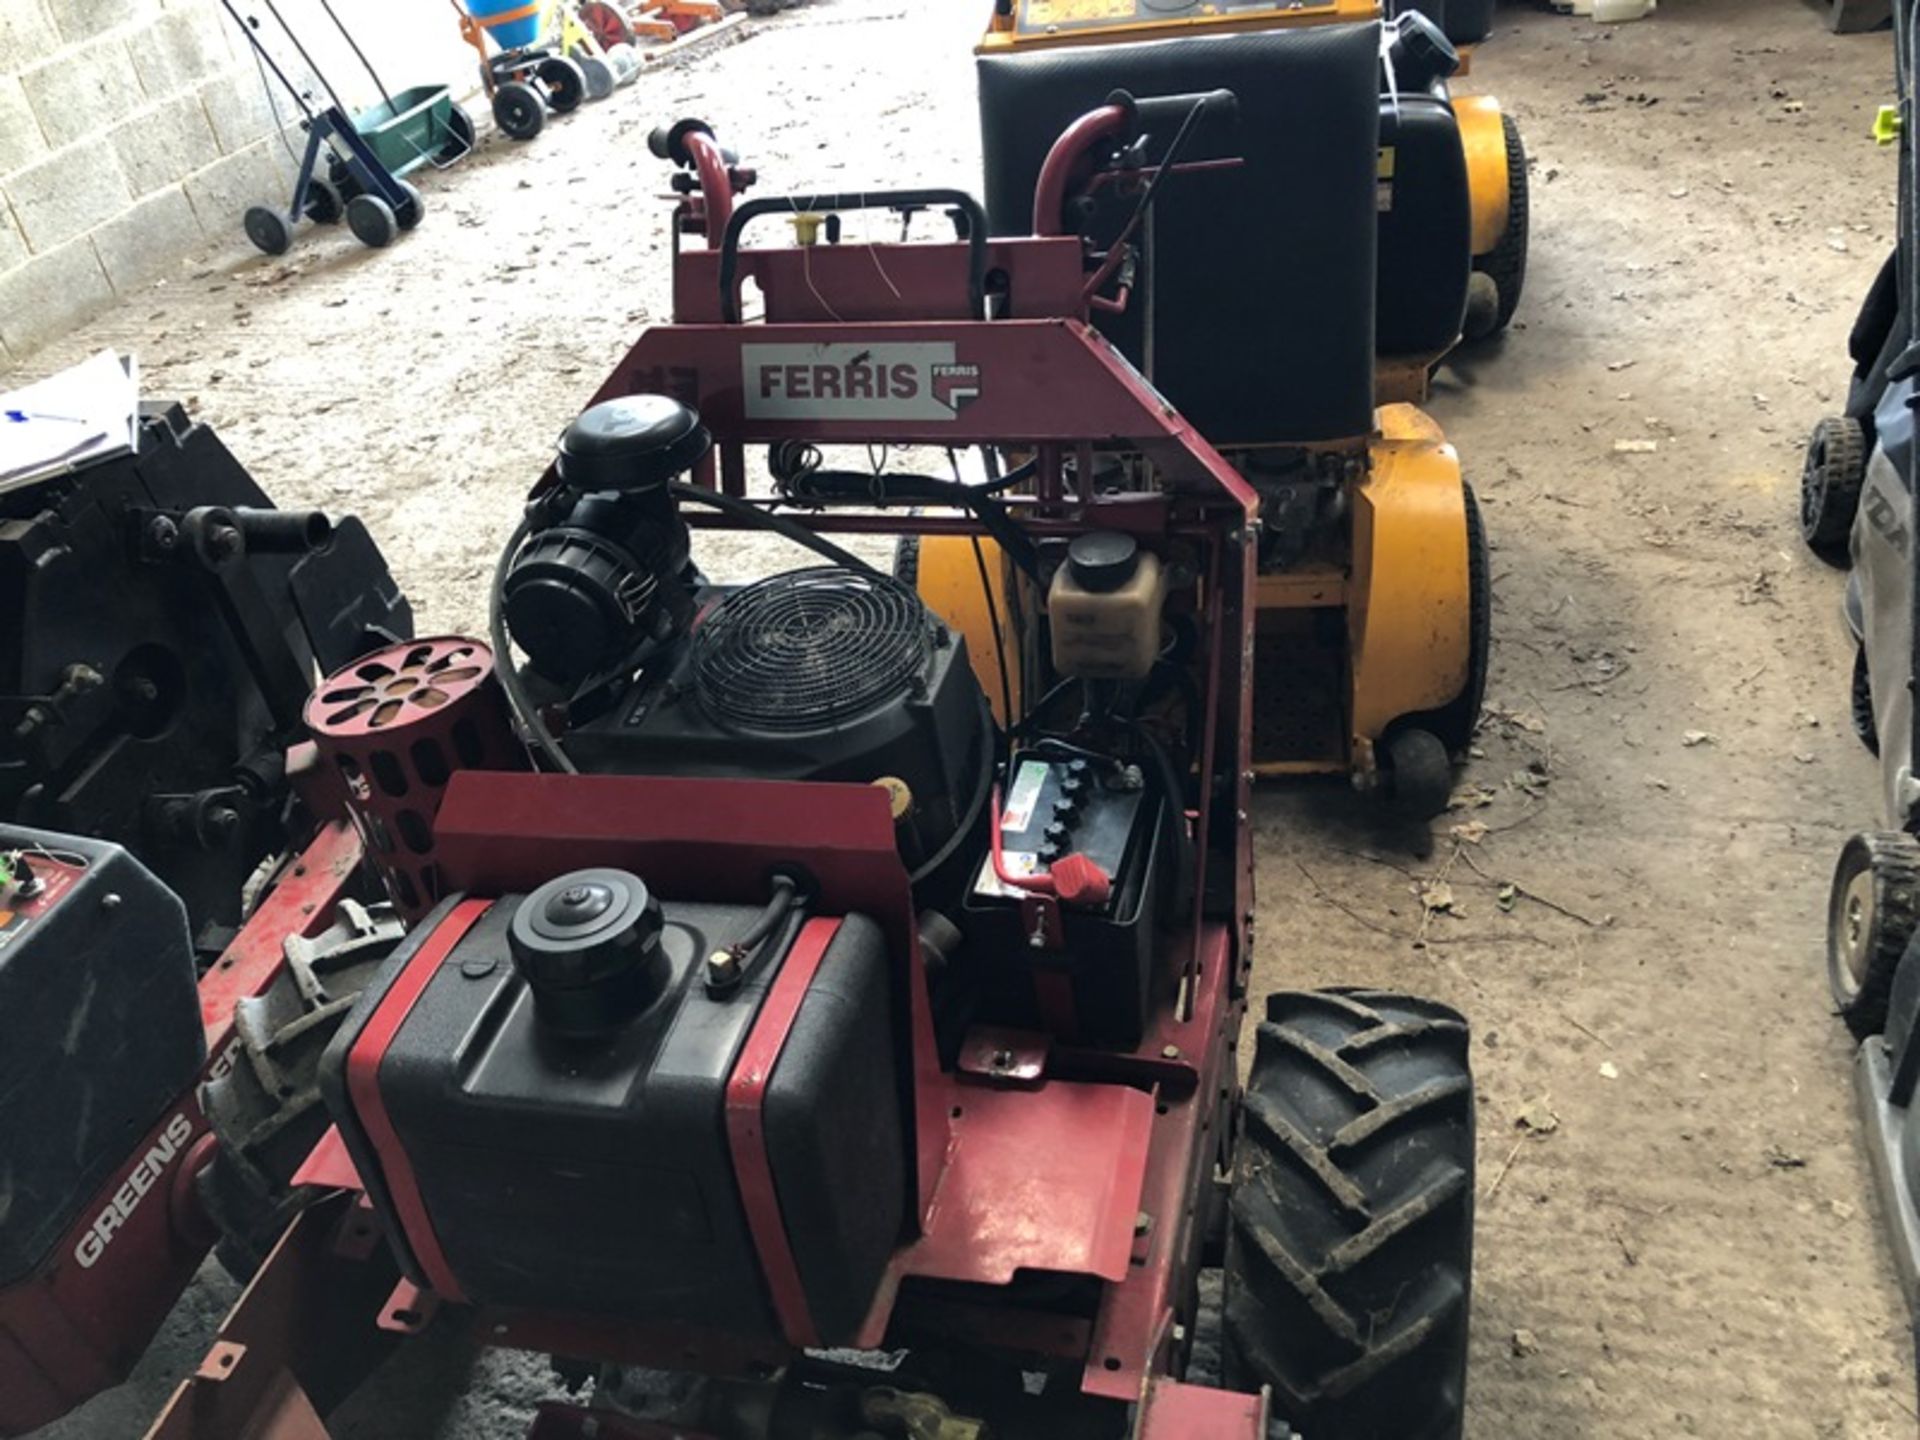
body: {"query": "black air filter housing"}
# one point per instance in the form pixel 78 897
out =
pixel 820 674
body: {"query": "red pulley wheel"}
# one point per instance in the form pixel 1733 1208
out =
pixel 606 22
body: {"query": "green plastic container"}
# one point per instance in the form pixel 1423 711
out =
pixel 417 126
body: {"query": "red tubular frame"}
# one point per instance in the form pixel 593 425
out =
pixel 716 183
pixel 1067 166
pixel 1077 1161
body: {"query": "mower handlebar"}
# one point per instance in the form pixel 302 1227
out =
pixel 958 200
pixel 1164 111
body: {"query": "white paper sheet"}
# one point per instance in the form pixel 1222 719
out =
pixel 70 419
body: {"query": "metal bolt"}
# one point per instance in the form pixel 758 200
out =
pixel 1142 1222
pixel 162 533
pixel 1002 1060
pixel 1170 1052
pixel 110 901
pixel 723 967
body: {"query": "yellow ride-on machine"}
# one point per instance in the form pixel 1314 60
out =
pixel 1453 195
pixel 1259 301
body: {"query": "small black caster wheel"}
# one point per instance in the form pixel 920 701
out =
pixel 596 72
pixel 1830 481
pixel 325 204
pixel 566 85
pixel 411 207
pixel 372 221
pixel 271 231
pixel 1871 913
pixel 1420 773
pixel 460 137
pixel 519 110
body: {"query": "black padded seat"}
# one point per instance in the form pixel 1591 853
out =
pixel 1465 22
pixel 1258 321
pixel 1426 227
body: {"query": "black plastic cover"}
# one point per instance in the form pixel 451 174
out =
pixel 635 442
pixel 1426 226
pixel 1464 22
pixel 1259 279
pixel 102 1031
pixel 573 1177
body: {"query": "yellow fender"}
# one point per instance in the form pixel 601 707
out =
pixel 1409 609
pixel 948 580
pixel 1485 139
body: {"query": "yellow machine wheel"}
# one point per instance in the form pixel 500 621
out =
pixel 1501 202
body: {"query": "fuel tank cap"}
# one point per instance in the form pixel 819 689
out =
pixel 588 946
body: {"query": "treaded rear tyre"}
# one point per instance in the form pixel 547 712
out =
pixel 1864 724
pixel 266 1110
pixel 1830 481
pixel 1350 1230
pixel 1506 263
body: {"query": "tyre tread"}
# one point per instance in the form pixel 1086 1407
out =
pixel 1349 1226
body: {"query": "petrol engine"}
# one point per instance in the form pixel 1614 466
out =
pixel 651 1098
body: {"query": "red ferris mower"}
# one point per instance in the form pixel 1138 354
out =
pixel 819 1005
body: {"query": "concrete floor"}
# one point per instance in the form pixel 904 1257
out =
pixel 1694 1249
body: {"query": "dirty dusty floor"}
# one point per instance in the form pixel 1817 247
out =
pixel 1692 1249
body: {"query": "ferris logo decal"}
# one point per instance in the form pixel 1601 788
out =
pixel 956 386
pixel 150 1168
pixel 918 381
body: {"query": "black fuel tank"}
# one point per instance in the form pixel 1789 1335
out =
pixel 576 1158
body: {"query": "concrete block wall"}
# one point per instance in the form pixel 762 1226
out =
pixel 133 133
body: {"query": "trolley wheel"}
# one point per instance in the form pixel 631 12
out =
pixel 1420 771
pixel 270 230
pixel 461 140
pixel 566 86
pixel 625 61
pixel 519 110
pixel 597 73
pixel 608 25
pixel 325 204
pixel 413 205
pixel 342 176
pixel 372 221
pixel 1873 910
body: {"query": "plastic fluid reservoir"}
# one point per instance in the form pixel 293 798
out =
pixel 1105 605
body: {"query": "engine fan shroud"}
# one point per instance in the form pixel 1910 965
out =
pixel 811 648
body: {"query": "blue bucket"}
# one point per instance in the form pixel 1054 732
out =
pixel 515 33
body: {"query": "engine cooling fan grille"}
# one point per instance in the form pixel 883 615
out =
pixel 810 648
